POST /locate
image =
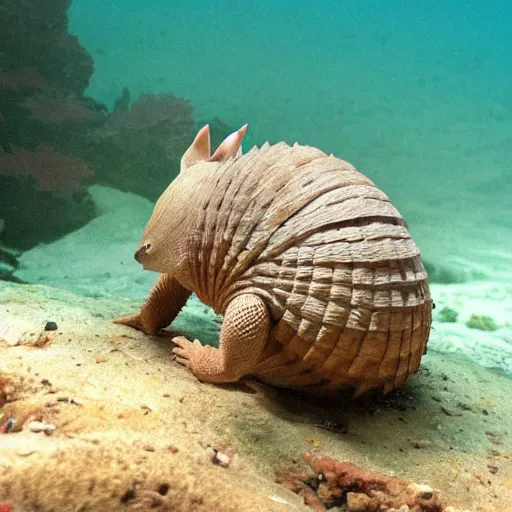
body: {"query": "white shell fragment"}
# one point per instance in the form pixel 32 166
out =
pixel 41 426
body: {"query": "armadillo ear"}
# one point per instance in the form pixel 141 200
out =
pixel 230 146
pixel 198 150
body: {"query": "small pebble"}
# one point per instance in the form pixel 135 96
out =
pixel 222 459
pixel 51 326
pixel 219 458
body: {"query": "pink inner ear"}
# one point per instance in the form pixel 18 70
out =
pixel 230 146
pixel 201 143
pixel 199 149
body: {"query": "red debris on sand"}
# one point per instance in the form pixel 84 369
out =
pixel 7 425
pixel 337 483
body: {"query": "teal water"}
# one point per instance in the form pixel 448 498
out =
pixel 418 96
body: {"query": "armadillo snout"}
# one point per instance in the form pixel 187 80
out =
pixel 141 252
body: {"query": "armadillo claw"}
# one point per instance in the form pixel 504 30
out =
pixel 184 352
pixel 132 320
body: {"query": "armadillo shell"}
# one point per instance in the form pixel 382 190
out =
pixel 331 257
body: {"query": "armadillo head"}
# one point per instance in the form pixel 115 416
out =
pixel 163 244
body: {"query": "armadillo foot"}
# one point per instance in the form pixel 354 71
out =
pixel 202 360
pixel 184 352
pixel 164 302
pixel 129 320
pixel 243 338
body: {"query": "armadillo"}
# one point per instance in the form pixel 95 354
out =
pixel 314 271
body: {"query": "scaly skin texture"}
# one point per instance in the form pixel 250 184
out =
pixel 315 272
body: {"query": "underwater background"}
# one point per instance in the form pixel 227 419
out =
pixel 417 96
pixel 98 102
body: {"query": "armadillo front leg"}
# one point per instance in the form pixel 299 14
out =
pixel 165 301
pixel 243 338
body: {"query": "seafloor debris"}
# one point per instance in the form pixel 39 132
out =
pixel 41 426
pixel 335 483
pixel 7 425
pixel 447 315
pixel 218 457
pixel 482 322
pixel 42 340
